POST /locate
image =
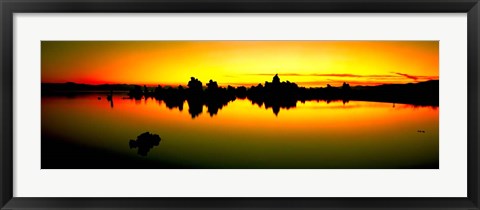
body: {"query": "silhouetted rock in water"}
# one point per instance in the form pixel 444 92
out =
pixel 279 94
pixel 241 92
pixel 173 98
pixel 275 95
pixel 145 90
pixel 136 92
pixel 110 96
pixel 194 86
pixel 212 85
pixel 276 80
pixel 213 96
pixel 216 97
pixel 145 142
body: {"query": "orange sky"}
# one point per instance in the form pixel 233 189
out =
pixel 307 63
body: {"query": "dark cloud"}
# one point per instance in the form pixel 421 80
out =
pixel 375 76
pixel 416 77
pixel 407 76
pixel 329 75
pixel 286 74
pixel 354 75
pixel 338 83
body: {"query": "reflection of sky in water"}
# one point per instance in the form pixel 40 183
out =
pixel 242 135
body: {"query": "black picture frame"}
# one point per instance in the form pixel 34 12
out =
pixel 9 7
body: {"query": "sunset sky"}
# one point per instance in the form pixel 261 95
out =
pixel 307 63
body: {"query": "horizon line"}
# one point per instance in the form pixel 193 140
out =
pixel 356 84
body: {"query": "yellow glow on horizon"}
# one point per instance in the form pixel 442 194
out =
pixel 308 63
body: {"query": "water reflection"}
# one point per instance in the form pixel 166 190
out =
pixel 110 98
pixel 313 134
pixel 196 106
pixel 145 142
pixel 277 95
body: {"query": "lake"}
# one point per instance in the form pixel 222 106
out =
pixel 87 131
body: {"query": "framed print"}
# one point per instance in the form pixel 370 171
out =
pixel 239 105
pixel 305 105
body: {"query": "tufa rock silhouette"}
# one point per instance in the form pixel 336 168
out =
pixel 145 142
pixel 278 94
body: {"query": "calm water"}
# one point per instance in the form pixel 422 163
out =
pixel 85 132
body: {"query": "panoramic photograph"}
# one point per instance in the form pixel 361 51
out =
pixel 294 104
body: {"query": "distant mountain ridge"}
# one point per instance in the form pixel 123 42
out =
pixel 79 87
pixel 73 86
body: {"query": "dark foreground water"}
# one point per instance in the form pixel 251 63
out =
pixel 84 131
